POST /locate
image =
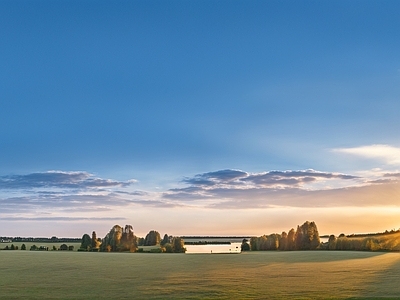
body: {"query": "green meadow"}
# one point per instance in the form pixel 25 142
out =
pixel 250 275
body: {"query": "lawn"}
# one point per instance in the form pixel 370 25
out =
pixel 252 275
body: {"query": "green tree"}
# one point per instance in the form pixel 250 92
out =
pixel 254 244
pixel 307 236
pixel 23 247
pixel 86 242
pixel 166 239
pixel 245 245
pixel 12 247
pixel 178 245
pixel 273 241
pixel 263 243
pixel 128 240
pixel 283 241
pixel 140 241
pixel 112 239
pixel 94 243
pixel 152 238
pixel 291 245
pixel 119 239
pixel 332 242
pixel 168 248
pixel 64 247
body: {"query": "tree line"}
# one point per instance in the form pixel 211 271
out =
pixel 53 239
pixel 120 239
pixel 386 242
pixel 306 237
pixel 63 247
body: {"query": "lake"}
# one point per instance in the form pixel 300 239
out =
pixel 232 248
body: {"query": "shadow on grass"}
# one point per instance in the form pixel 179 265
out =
pixel 386 284
pixel 315 256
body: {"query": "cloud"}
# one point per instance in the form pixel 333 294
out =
pixel 383 194
pixel 59 179
pixel 156 203
pixel 238 178
pixel 217 177
pixel 240 189
pixel 59 193
pixel 41 202
pixel 392 175
pixel 389 154
pixel 65 219
pixel 292 178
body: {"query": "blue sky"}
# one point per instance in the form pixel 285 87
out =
pixel 235 117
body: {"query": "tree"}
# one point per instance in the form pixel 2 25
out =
pixel 119 239
pixel 128 240
pixel 263 243
pixel 64 247
pixel 152 238
pixel 86 242
pixel 168 248
pixel 12 247
pixel 178 245
pixel 33 248
pixel 166 239
pixel 140 241
pixel 254 244
pixel 283 241
pixel 95 243
pixel 332 242
pixel 307 236
pixel 273 241
pixel 23 247
pixel 112 239
pixel 291 245
pixel 71 248
pixel 299 240
pixel 245 245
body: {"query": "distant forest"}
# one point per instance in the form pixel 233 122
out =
pixel 305 237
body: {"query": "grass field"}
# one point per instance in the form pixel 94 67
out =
pixel 252 275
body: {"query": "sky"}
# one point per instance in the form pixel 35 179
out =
pixel 199 117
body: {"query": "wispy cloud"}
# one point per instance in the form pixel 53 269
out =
pixel 236 188
pixel 276 179
pixel 217 177
pixel 59 179
pixel 65 219
pixel 61 192
pixel 292 178
pixel 386 153
pixel 58 194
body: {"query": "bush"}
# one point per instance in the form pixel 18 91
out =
pixel 63 247
pixel 155 250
